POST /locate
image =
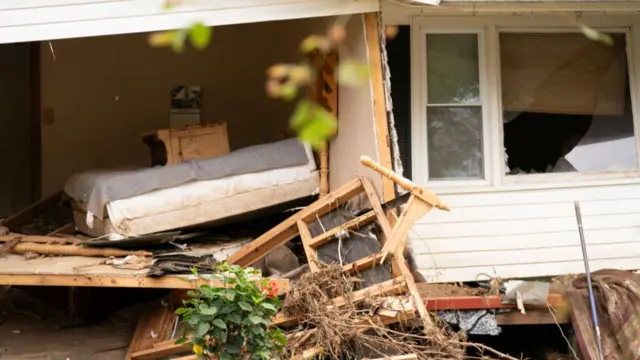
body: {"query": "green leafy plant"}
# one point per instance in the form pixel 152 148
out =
pixel 232 321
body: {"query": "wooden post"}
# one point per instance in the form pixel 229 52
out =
pixel 325 93
pixel 379 100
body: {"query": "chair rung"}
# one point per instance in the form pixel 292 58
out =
pixel 353 223
pixel 364 263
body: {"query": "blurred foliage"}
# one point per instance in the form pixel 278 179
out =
pixel 198 34
pixel 311 122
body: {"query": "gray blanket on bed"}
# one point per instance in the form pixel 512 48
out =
pixel 96 188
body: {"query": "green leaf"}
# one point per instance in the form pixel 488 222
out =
pixel 289 91
pixel 234 318
pixel 224 356
pixel 202 329
pixel 313 123
pixel 177 43
pixel 234 345
pixel 208 310
pixel 268 306
pixel 244 306
pixel 181 311
pixel 255 319
pixel 194 319
pixel 181 340
pixel 219 323
pixel 192 293
pixel 351 72
pixel 200 35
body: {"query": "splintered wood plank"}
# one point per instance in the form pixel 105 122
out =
pixel 415 209
pixel 96 280
pixel 309 251
pixel 27 214
pixel 389 287
pixel 40 239
pixel 351 224
pixel 379 97
pixel 288 229
pixel 377 207
pixel 413 289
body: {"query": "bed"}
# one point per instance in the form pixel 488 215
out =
pixel 122 204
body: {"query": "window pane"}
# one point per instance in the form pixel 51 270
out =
pixel 455 142
pixel 566 103
pixel 452 69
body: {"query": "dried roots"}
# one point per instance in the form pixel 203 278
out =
pixel 357 329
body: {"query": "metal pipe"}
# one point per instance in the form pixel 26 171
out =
pixel 592 300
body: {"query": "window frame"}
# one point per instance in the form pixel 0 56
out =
pixel 489 29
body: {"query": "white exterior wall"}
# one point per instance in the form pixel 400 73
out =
pixel 527 233
pixel 36 20
pixel 528 230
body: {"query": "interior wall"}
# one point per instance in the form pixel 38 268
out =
pixel 15 127
pixel 356 130
pixel 104 92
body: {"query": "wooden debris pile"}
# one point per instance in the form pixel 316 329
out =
pixel 358 298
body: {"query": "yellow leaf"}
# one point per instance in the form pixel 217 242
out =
pixel 164 38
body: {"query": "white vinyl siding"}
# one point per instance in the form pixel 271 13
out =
pixel 36 20
pixel 529 233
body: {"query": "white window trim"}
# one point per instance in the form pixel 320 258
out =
pixel 488 28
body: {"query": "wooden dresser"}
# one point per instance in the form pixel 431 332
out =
pixel 173 146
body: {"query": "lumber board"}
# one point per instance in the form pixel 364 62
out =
pixel 389 287
pixel 379 100
pixel 413 289
pixel 288 229
pixel 484 302
pixel 40 239
pixel 351 224
pixel 92 280
pixel 161 350
pixel 310 252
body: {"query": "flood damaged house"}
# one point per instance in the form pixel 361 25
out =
pixel 505 109
pixel 510 111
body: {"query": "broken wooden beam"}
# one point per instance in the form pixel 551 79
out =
pixel 40 239
pixel 288 229
pixel 73 250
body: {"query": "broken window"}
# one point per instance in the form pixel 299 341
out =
pixel 566 104
pixel 454 107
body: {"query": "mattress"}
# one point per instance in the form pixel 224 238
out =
pixel 201 202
